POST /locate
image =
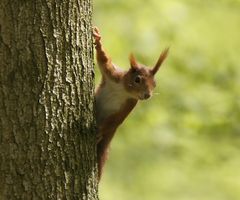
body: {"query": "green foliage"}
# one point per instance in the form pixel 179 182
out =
pixel 183 143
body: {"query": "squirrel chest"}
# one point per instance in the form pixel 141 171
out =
pixel 110 98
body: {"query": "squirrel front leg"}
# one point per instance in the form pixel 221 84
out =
pixel 106 66
pixel 102 57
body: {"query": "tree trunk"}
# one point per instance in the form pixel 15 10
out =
pixel 47 126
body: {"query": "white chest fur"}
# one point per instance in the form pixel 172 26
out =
pixel 110 99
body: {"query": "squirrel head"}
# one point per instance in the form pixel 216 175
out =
pixel 139 80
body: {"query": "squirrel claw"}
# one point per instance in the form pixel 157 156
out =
pixel 96 34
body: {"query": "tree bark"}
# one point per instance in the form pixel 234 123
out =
pixel 47 124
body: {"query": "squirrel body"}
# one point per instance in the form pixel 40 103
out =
pixel 117 94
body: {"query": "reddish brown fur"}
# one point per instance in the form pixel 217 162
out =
pixel 107 130
pixel 117 94
pixel 162 57
pixel 147 79
pixel 105 61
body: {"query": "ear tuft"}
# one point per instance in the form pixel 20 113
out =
pixel 162 57
pixel 133 62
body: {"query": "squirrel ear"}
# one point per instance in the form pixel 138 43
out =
pixel 162 57
pixel 133 62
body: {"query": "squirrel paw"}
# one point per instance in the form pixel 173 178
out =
pixel 96 34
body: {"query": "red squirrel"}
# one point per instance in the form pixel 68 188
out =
pixel 118 93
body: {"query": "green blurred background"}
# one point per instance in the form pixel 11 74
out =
pixel 183 143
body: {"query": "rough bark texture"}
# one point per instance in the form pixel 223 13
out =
pixel 47 136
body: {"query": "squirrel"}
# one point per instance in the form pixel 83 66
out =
pixel 118 93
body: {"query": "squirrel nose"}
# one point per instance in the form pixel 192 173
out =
pixel 146 96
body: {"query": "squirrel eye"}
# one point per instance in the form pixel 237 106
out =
pixel 137 79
